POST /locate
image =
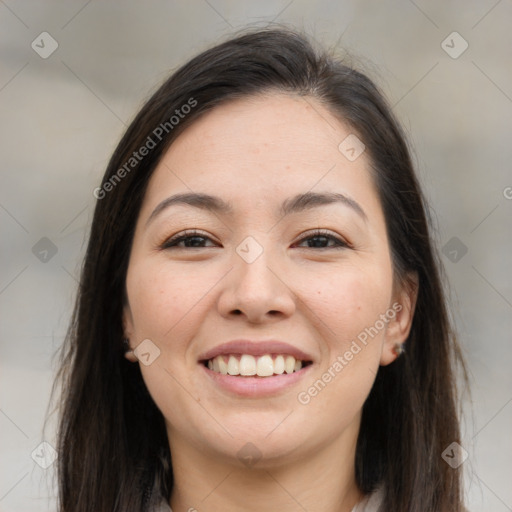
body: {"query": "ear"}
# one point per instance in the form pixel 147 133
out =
pixel 398 328
pixel 129 331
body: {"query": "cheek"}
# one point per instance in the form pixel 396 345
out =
pixel 166 305
pixel 350 299
pixel 349 305
pixel 161 299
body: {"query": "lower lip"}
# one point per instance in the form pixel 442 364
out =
pixel 255 386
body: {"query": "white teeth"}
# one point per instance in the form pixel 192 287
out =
pixel 279 365
pixel 265 366
pixel 248 365
pixel 223 366
pixel 233 367
pixel 289 364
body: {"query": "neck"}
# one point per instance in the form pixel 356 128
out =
pixel 324 478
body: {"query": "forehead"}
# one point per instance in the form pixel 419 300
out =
pixel 256 147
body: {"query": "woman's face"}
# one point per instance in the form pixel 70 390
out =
pixel 256 284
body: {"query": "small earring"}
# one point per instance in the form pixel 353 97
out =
pixel 399 349
pixel 128 352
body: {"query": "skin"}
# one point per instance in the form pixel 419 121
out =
pixel 256 153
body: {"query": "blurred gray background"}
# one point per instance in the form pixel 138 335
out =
pixel 73 74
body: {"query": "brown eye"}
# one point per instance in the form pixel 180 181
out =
pixel 320 240
pixel 188 240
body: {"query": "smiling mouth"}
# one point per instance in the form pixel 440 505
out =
pixel 246 365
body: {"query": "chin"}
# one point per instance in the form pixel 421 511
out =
pixel 269 446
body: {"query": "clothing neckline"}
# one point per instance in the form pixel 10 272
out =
pixel 370 503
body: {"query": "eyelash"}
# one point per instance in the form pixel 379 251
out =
pixel 173 241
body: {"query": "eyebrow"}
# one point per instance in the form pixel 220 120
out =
pixel 308 200
pixel 295 204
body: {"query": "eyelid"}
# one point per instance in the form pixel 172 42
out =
pixel 191 232
pixel 341 242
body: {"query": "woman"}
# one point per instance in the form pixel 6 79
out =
pixel 260 323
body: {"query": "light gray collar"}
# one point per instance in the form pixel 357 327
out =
pixel 369 504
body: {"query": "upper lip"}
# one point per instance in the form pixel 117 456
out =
pixel 254 348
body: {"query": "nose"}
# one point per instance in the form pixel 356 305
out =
pixel 258 291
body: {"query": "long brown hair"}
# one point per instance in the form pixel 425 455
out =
pixel 113 452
